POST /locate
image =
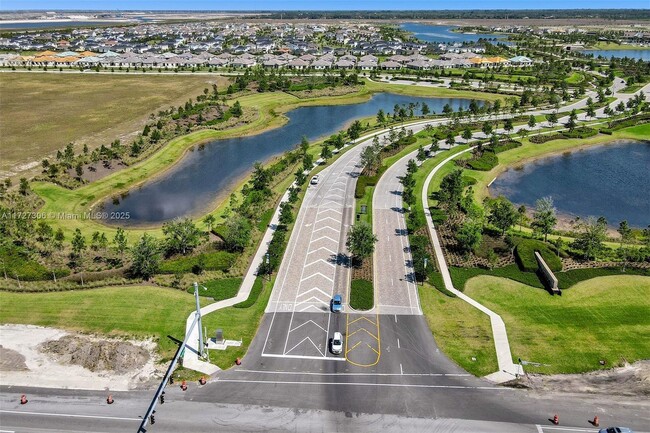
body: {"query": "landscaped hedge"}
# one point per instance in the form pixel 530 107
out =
pixel 459 276
pixel 256 290
pixel 213 261
pixel 511 144
pixel 525 255
pixel 219 290
pixel 543 138
pixel 17 263
pixel 486 162
pixel 570 278
pixel 361 295
pixel 364 181
pixel 583 132
pixel 438 215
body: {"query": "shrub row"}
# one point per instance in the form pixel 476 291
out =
pixel 525 255
pixel 212 261
pixel 543 138
pixel 486 162
pixel 580 133
pixel 364 181
pixel 507 145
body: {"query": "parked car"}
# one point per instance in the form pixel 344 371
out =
pixel 337 343
pixel 314 180
pixel 337 304
pixel 615 430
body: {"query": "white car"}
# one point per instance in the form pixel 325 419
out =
pixel 337 343
pixel 314 180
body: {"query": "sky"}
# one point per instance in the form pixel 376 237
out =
pixel 317 5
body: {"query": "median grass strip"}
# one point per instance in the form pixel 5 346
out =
pixel 462 332
pixel 140 312
pixel 362 296
pixel 605 318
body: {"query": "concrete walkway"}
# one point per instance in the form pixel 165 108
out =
pixel 191 359
pixel 508 370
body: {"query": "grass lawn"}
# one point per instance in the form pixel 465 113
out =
pixel 605 318
pixel 140 312
pixel 42 112
pixel 237 323
pixel 219 290
pixel 461 331
pixel 575 78
pixel 615 46
pixel 362 295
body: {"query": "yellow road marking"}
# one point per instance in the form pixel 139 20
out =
pixel 373 349
pixel 363 317
pixel 363 329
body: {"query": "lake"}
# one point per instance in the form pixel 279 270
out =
pixel 611 180
pixel 433 33
pixel 210 171
pixel 632 54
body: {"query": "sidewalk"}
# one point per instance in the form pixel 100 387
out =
pixel 508 370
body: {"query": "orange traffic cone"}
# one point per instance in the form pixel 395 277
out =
pixel 202 380
pixel 184 385
pixel 23 399
pixel 556 419
pixel 596 421
pixel 109 399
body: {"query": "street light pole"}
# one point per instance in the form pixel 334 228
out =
pixel 198 314
pixel 267 260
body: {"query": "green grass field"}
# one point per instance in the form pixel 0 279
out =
pixel 461 331
pixel 140 312
pixel 42 112
pixel 606 318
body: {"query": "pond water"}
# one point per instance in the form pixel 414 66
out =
pixel 432 33
pixel 631 54
pixel 611 181
pixel 210 171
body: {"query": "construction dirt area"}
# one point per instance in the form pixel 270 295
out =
pixel 53 358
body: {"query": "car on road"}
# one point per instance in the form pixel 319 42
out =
pixel 337 304
pixel 336 346
pixel 615 430
pixel 314 180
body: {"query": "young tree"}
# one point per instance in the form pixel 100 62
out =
pixel 181 236
pixel 521 215
pixel 260 178
pixel 469 235
pixel 59 237
pixel 450 141
pixel 146 257
pixel 79 170
pixel 551 118
pixel 425 109
pixel 532 121
pixel 625 232
pixel 237 234
pixel 286 213
pixel 422 154
pixel 120 241
pixel 23 188
pixel 487 128
pixel 544 218
pixel 354 131
pixel 370 158
pixel 507 126
pixel 381 117
pixel 209 221
pixel 304 145
pixel 236 109
pixel 451 190
pixel 326 152
pixel 502 214
pixel 78 243
pixel 361 241
pixel 467 134
pixel 590 239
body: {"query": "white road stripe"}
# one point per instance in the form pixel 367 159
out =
pixel 396 385
pixel 311 373
pixel 326 358
pixel 65 415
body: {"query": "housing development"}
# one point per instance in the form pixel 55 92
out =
pixel 347 220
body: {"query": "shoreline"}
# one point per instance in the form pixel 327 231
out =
pixel 565 219
pixel 277 119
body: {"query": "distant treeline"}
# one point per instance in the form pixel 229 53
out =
pixel 618 14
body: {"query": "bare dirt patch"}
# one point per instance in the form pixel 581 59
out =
pixel 53 358
pixel 629 380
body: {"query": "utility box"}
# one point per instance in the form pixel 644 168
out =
pixel 364 209
pixel 219 337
